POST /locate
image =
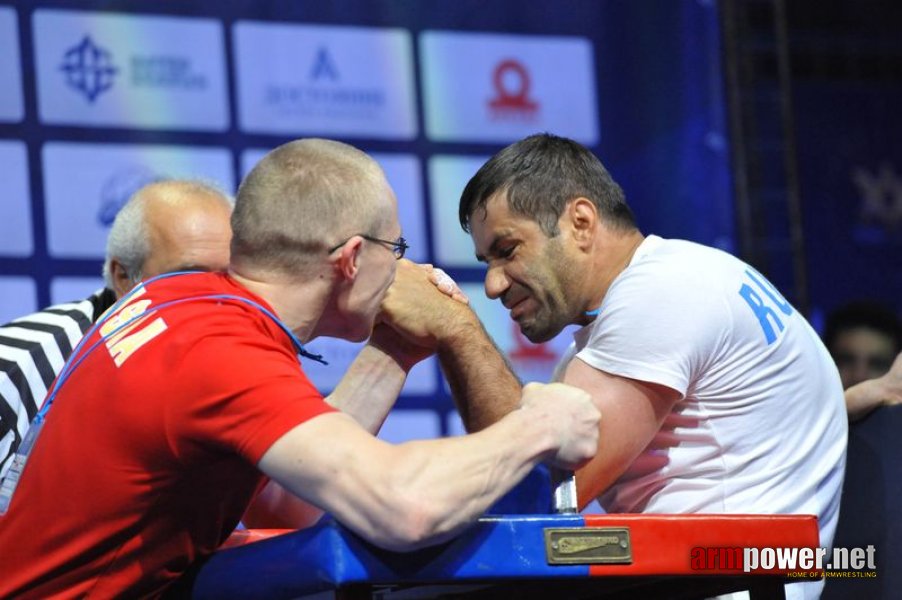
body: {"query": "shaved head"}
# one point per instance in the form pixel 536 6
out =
pixel 303 198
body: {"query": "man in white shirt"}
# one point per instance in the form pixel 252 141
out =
pixel 716 393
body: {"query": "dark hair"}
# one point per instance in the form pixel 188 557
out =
pixel 540 175
pixel 866 314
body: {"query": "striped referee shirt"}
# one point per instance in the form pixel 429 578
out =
pixel 33 350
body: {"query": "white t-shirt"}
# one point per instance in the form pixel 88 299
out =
pixel 761 425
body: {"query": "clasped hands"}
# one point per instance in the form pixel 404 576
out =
pixel 420 307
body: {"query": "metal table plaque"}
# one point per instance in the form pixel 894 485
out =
pixel 588 545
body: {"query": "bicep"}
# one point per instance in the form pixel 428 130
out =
pixel 631 413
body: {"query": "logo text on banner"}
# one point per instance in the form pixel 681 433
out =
pixel 352 81
pixel 105 69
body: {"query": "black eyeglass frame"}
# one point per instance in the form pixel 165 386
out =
pixel 398 247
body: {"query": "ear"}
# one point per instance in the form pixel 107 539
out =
pixel 582 217
pixel 122 282
pixel 347 263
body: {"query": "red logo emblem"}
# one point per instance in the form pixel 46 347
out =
pixel 511 83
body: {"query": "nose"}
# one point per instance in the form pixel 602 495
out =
pixel 496 282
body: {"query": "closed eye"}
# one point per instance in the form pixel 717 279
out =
pixel 506 253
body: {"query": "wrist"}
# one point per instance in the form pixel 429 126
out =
pixel 535 428
pixel 887 393
pixel 395 348
pixel 392 354
pixel 458 327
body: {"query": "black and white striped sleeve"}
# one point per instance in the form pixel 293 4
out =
pixel 33 350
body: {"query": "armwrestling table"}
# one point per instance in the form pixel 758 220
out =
pixel 509 556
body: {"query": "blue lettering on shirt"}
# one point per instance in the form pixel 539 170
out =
pixel 766 315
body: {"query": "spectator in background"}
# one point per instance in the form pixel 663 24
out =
pixel 165 226
pixel 864 339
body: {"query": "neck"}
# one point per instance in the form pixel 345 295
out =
pixel 299 303
pixel 611 256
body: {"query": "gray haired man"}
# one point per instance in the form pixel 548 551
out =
pixel 165 226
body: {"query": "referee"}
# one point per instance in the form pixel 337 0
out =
pixel 165 226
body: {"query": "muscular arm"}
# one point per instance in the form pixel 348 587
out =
pixel 420 493
pixel 864 397
pixel 633 412
pixel 482 384
pixel 372 384
pixel 367 393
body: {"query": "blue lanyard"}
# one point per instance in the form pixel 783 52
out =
pixel 11 480
pixel 75 360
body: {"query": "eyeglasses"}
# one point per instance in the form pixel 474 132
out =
pixel 398 247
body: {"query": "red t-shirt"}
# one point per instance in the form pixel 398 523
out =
pixel 145 466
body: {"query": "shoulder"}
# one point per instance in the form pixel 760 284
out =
pixel 679 259
pixel 670 303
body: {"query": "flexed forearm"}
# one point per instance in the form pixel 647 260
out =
pixel 420 493
pixel 482 383
pixel 371 386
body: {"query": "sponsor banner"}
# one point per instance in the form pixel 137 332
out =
pixel 337 81
pixel 15 208
pixel 130 71
pixel 85 185
pixel 18 296
pixel 448 175
pixel 531 362
pixel 11 105
pixel 69 289
pixel 405 425
pixel 403 174
pixel 500 88
pixel 421 381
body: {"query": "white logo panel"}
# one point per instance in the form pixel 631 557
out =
pixel 531 362
pixel 500 88
pixel 130 71
pixel 15 207
pixel 421 381
pixel 339 81
pixel 85 185
pixel 403 174
pixel 448 175
pixel 18 297
pixel 11 105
